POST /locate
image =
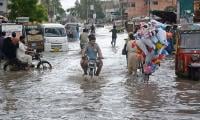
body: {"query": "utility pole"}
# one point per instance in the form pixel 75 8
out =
pixel 127 8
pixel 149 2
pixel 87 11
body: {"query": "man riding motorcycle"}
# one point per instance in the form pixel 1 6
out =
pixel 10 46
pixel 92 28
pixel 15 50
pixel 21 53
pixel 83 39
pixel 91 51
pixel 2 37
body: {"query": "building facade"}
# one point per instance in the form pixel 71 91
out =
pixel 138 8
pixel 111 9
pixel 3 7
pixel 196 10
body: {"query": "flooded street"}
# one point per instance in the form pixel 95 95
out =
pixel 63 93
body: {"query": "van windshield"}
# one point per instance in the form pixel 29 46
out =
pixel 190 41
pixel 54 32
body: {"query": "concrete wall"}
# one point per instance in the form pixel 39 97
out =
pixel 136 8
pixel 3 7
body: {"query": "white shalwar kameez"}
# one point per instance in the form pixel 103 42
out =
pixel 22 56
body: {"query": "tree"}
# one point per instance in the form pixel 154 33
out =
pixel 83 11
pixel 41 14
pixel 27 8
pixel 57 8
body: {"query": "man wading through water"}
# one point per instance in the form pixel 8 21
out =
pixel 114 36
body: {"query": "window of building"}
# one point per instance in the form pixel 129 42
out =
pixel 132 4
pixel 127 5
pixel 1 4
pixel 155 2
pixel 146 2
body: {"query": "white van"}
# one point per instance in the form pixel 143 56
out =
pixel 55 37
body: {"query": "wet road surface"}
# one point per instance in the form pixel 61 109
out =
pixel 64 94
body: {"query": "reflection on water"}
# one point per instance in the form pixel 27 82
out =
pixel 188 96
pixel 143 97
pixel 7 96
pixel 92 94
pixel 63 94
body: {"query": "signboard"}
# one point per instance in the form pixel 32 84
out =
pixel 9 28
pixel 22 19
pixel 91 7
pixel 186 6
pixel 186 9
pixel 94 16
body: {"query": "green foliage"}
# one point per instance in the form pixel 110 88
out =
pixel 27 8
pixel 41 14
pixel 83 11
pixel 35 12
pixel 57 7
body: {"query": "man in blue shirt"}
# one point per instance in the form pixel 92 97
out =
pixel 92 51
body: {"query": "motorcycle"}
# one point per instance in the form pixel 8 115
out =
pixel 15 64
pixel 91 67
pixel 92 32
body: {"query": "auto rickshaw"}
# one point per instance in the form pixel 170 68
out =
pixel 72 30
pixel 187 55
pixel 34 37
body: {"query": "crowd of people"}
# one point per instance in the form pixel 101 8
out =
pixel 149 43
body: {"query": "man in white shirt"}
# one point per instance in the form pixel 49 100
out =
pixel 21 52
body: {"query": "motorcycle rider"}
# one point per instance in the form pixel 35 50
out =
pixel 21 53
pixel 90 52
pixel 10 46
pixel 83 39
pixel 92 28
pixel 2 37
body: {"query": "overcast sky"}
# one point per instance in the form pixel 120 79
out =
pixel 67 3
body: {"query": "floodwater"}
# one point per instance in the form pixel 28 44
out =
pixel 64 94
